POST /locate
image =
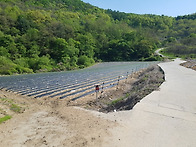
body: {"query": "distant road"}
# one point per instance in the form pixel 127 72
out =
pixel 165 118
pixel 158 52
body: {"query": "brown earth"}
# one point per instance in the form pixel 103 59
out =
pixel 49 122
pixel 190 64
pixel 54 122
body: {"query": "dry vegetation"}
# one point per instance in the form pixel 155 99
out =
pixel 190 64
pixel 10 107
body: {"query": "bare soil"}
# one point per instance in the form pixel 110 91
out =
pixel 190 64
pixel 51 122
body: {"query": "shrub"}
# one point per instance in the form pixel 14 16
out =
pixel 22 70
pixel 7 67
pixel 84 61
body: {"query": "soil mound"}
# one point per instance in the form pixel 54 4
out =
pixel 190 64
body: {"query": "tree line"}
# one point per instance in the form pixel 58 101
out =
pixel 48 35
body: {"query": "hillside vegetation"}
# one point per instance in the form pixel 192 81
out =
pixel 56 35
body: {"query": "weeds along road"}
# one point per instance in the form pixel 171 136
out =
pixel 165 118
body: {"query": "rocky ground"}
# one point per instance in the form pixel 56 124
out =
pixel 190 64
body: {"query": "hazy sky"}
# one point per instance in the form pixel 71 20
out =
pixel 159 7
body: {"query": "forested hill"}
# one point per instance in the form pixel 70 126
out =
pixel 55 35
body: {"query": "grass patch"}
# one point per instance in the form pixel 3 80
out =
pixel 11 105
pixel 171 55
pixel 119 99
pixel 116 101
pixel 168 55
pixel 6 100
pixel 5 118
pixel 15 108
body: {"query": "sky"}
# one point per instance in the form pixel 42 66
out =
pixel 159 7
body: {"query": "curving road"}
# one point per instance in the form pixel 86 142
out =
pixel 158 52
pixel 165 118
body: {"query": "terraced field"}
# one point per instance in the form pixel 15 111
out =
pixel 71 84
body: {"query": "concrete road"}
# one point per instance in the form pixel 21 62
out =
pixel 158 52
pixel 165 118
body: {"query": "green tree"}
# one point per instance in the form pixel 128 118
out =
pixel 7 67
pixel 144 49
pixel 86 45
pixel 84 61
pixel 4 52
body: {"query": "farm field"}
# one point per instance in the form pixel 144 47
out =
pixel 74 84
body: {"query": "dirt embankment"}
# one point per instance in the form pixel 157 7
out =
pixel 126 93
pixel 190 64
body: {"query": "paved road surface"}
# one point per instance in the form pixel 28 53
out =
pixel 158 52
pixel 165 118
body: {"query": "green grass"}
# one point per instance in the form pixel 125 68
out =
pixel 9 101
pixel 5 118
pixel 12 106
pixel 174 56
pixel 116 101
pixel 119 99
pixel 168 55
pixel 15 108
